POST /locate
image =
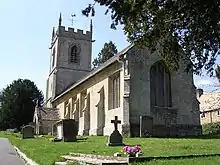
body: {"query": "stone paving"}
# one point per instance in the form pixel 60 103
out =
pixel 88 159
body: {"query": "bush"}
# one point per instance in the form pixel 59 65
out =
pixel 211 128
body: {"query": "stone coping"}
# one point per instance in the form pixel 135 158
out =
pixel 93 160
pixel 27 160
pixel 100 156
pixel 145 159
pixel 139 159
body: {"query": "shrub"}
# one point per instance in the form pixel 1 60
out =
pixel 211 128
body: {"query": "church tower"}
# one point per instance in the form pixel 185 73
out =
pixel 70 59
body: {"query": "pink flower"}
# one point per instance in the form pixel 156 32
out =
pixel 131 150
pixel 137 148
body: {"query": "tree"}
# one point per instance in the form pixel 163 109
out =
pixel 217 73
pixel 0 96
pixel 18 102
pixel 186 26
pixel 108 51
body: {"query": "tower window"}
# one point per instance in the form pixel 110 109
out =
pixel 74 55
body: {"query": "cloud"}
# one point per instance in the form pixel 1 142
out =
pixel 204 82
pixel 208 84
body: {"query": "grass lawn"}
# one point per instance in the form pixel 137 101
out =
pixel 45 152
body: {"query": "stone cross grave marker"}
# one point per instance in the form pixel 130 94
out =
pixel 27 132
pixel 115 139
pixel 116 122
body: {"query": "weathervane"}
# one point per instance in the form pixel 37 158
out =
pixel 72 20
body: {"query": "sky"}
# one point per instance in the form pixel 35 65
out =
pixel 26 28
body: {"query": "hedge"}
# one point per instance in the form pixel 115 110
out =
pixel 211 128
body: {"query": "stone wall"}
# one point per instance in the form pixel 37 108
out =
pixel 183 93
pixel 99 111
pixel 46 127
pixel 63 55
pixel 66 76
pixel 169 131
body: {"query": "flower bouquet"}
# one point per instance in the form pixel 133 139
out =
pixel 132 151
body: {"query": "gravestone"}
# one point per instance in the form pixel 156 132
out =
pixel 67 130
pixel 115 139
pixel 27 132
pixel 10 130
pixel 146 126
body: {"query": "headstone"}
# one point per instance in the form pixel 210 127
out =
pixel 10 130
pixel 67 130
pixel 115 139
pixel 27 132
pixel 59 129
pixel 146 126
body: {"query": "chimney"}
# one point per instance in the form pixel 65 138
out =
pixel 199 92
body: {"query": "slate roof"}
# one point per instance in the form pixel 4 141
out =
pixel 95 71
pixel 209 101
pixel 44 113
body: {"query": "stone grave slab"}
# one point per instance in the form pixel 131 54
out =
pixel 67 130
pixel 95 159
pixel 146 126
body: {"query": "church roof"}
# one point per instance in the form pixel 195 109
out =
pixel 97 70
pixel 209 101
pixel 44 113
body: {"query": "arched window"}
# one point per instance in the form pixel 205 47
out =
pixel 160 85
pixel 74 55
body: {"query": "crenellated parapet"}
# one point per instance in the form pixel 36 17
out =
pixel 73 33
pixel 69 32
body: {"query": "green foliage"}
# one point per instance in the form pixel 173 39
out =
pixel 211 128
pixel 108 51
pixel 18 102
pixel 186 26
pixel 0 96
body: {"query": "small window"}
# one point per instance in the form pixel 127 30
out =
pixel 114 91
pixel 218 113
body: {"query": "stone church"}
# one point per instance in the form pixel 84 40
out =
pixel 134 84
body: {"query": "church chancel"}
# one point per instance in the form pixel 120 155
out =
pixel 131 84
